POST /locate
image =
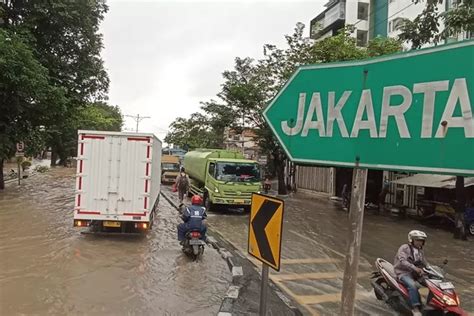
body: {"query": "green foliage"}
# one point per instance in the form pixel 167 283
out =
pixel 61 50
pixel 26 96
pixel 425 28
pixel 100 116
pixel 459 19
pixel 341 47
pixel 383 46
pixel 191 133
pixel 218 117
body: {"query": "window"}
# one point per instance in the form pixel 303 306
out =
pixel 395 24
pixel 212 169
pixel 362 38
pixel 237 172
pixel 167 166
pixel 451 4
pixel 363 11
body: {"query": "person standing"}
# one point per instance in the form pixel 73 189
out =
pixel 182 184
pixel 383 194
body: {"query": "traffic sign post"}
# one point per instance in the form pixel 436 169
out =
pixel 401 112
pixel 264 240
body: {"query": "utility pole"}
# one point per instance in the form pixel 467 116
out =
pixel 137 118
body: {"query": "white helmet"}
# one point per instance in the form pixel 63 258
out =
pixel 416 235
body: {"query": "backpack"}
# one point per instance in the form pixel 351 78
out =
pixel 183 182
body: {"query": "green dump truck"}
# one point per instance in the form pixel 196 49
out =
pixel 223 178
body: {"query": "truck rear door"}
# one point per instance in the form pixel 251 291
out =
pixel 114 175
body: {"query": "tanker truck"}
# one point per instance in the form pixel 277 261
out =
pixel 223 178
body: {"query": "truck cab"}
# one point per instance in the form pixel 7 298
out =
pixel 232 182
pixel 169 168
pixel 223 178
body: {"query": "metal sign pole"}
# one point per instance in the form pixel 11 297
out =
pixel 19 176
pixel 356 217
pixel 263 290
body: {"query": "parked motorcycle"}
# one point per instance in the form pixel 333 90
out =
pixel 193 245
pixel 346 201
pixel 441 300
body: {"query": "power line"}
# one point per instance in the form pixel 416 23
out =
pixel 137 118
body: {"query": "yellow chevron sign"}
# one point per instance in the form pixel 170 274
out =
pixel 265 229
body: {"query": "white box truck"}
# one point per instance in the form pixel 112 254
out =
pixel 117 181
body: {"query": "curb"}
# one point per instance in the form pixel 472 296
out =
pixel 233 291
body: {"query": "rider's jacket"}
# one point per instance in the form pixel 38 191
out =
pixel 407 259
pixel 194 215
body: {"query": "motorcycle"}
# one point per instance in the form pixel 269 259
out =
pixel 441 300
pixel 193 245
pixel 346 202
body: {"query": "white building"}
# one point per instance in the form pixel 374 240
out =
pixel 370 18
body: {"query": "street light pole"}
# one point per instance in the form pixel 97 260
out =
pixel 138 119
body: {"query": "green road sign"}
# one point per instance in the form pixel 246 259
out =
pixel 410 112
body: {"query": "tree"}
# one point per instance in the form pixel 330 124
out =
pixel 219 116
pixel 190 133
pixel 425 28
pixel 26 96
pixel 100 116
pixel 63 36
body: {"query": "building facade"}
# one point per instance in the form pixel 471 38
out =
pixel 243 142
pixel 372 18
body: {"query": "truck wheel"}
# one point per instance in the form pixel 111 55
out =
pixel 471 228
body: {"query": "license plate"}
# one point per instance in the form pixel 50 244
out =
pixel 239 201
pixel 111 224
pixel 196 242
pixel 446 286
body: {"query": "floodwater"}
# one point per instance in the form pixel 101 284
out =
pixel 313 251
pixel 48 268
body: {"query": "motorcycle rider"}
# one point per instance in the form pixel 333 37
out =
pixel 193 217
pixel 408 265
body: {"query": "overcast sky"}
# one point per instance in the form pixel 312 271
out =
pixel 164 57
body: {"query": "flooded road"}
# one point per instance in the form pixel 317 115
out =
pixel 48 268
pixel 314 247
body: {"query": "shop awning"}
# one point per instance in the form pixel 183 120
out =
pixel 433 181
